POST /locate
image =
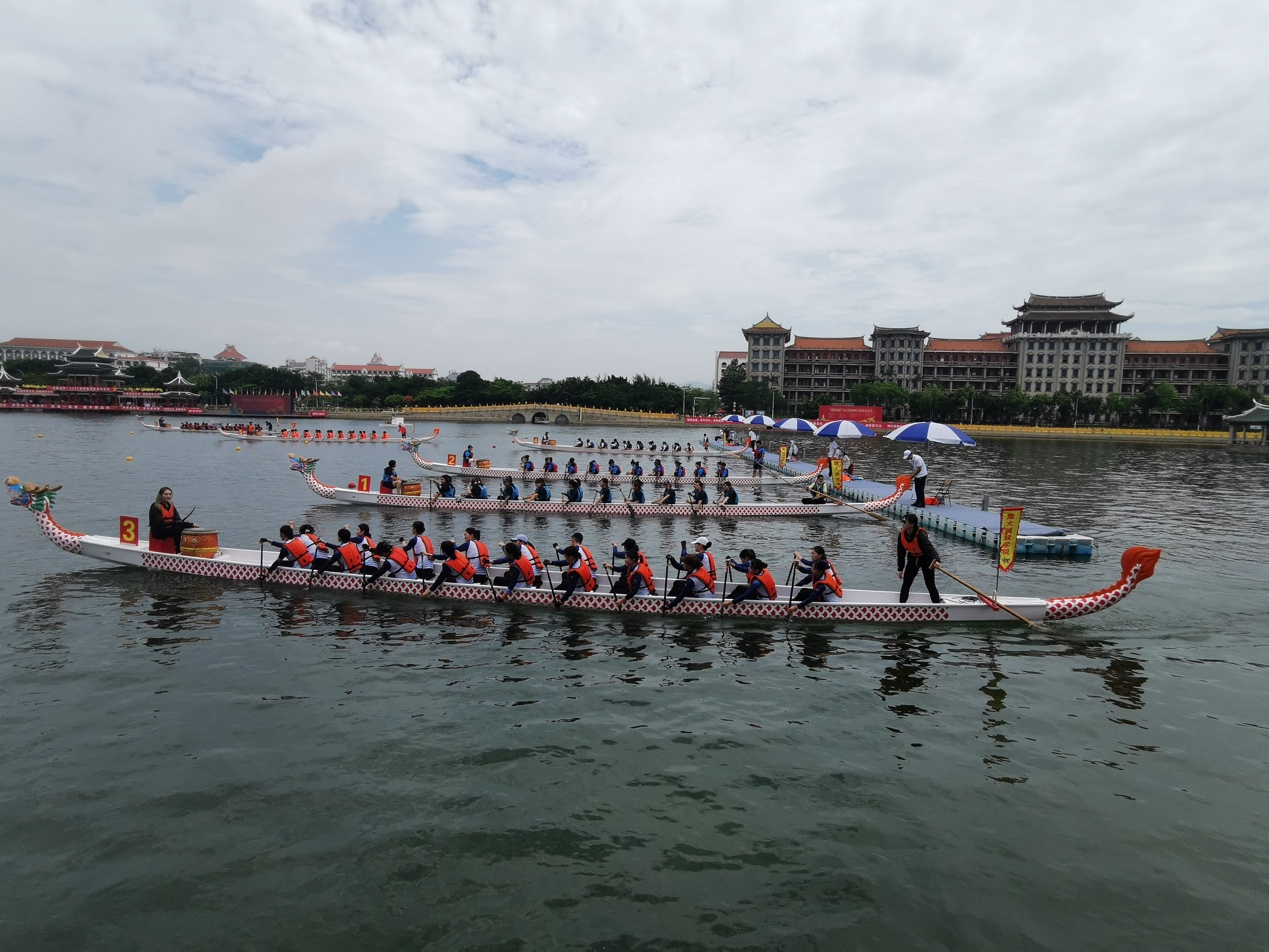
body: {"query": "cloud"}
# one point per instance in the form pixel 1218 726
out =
pixel 535 191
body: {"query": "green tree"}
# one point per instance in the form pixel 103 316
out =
pixel 1017 403
pixel 1116 406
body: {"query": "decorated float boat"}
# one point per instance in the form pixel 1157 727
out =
pixel 248 565
pixel 497 473
pixel 414 498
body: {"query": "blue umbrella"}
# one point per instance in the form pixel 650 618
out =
pixel 734 418
pixel 760 419
pixel 844 428
pixel 797 425
pixel 931 433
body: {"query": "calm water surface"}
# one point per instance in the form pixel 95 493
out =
pixel 194 764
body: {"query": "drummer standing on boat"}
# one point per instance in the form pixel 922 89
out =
pixel 166 525
pixel 916 551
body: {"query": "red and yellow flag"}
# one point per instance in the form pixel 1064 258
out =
pixel 784 456
pixel 1010 522
pixel 835 468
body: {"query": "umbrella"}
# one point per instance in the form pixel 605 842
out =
pixel 931 433
pixel 734 418
pixel 760 419
pixel 797 424
pixel 845 429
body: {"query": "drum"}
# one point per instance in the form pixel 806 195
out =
pixel 200 543
pixel 409 488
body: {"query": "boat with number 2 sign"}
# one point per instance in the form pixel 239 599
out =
pixel 856 606
pixel 416 500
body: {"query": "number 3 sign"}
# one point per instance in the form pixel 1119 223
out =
pixel 129 530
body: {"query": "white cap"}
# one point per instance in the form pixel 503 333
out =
pixel 520 538
pixel 907 454
pixel 702 541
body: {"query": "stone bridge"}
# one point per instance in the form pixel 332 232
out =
pixel 541 414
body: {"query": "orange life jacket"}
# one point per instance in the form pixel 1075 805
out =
pixel 482 552
pixel 316 547
pixel 831 580
pixel 525 565
pixel 398 557
pixel 167 512
pixel 461 566
pixel 533 554
pixel 702 576
pixel 767 579
pixel 644 570
pixel 711 567
pixel 299 552
pixel 912 545
pixel 589 559
pixel 584 572
pixel 351 555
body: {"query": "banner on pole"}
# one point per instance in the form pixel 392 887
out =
pixel 1010 522
pixel 784 456
pixel 835 467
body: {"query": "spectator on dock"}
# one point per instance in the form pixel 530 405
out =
pixel 919 473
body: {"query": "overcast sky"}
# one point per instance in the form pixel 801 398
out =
pixel 535 189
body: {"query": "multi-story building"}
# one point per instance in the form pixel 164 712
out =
pixel 52 348
pixel 1248 354
pixel 378 367
pixel 727 358
pixel 766 341
pixel 1053 344
pixel 310 365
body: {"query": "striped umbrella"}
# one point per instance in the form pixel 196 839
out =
pixel 844 429
pixel 931 433
pixel 760 419
pixel 797 425
pixel 734 418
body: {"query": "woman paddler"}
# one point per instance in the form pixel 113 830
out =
pixel 821 579
pixel 166 525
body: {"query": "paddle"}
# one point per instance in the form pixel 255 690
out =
pixel 665 592
pixel 988 599
pixel 262 562
pixel 611 588
pixel 722 596
pixel 792 567
pixel 629 505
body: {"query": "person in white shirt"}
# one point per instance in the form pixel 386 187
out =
pixel 919 473
pixel 793 449
pixel 834 450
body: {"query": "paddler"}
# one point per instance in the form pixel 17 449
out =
pixel 577 573
pixel 526 464
pixel 700 472
pixel 455 568
pixel 721 471
pixel 668 496
pixel 476 489
pixel 700 548
pixel 577 539
pixel 392 559
pixel 635 574
pixel 605 491
pixel 317 549
pixel 520 573
pixel 916 551
pixel 697 496
pixel 509 490
pixel 636 490
pixel 727 495
pixel 658 469
pixel 760 583
pixel 574 491
pixel 613 468
pixel 550 466
pixel 166 524
pixel 679 471
pixel 635 468
pixel 696 584
pixel 346 556
pixel 541 492
pixel 821 577
pixel 420 549
pixel 476 551
pixel 292 552
pixel 592 468
pixel 531 551
pixel 571 466
pixel 445 488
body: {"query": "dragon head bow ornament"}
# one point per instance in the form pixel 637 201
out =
pixel 31 496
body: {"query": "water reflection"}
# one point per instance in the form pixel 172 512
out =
pixel 910 656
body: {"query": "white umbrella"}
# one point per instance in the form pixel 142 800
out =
pixel 846 429
pixel 926 432
pixel 734 418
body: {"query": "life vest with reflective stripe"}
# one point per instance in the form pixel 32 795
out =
pixel 351 555
pixel 588 559
pixel 482 552
pixel 767 579
pixel 299 552
pixel 423 542
pixel 583 571
pixel 461 566
pixel 316 547
pixel 711 566
pixel 913 545
pixel 702 575
pixel 404 565
pixel 644 571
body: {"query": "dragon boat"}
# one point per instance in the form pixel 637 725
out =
pixel 857 605
pixel 372 438
pixel 162 428
pixel 365 497
pixel 250 437
pixel 689 450
pixel 498 473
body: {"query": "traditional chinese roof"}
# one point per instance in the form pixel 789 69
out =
pixel 1172 347
pixel 1224 333
pixel 229 353
pixel 179 381
pixel 376 359
pixel 876 329
pixel 65 343
pixel 6 377
pixel 87 362
pixel 1257 413
pixel 996 335
pixel 956 344
pixel 828 343
pixel 766 324
pixel 1074 302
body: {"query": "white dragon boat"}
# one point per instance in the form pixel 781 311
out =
pixel 248 437
pixel 378 439
pixel 498 472
pixel 857 605
pixel 164 428
pixel 686 452
pixel 358 497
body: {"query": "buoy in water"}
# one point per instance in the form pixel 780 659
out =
pixel 132 433
pixel 128 458
pixel 237 449
pixel 39 436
